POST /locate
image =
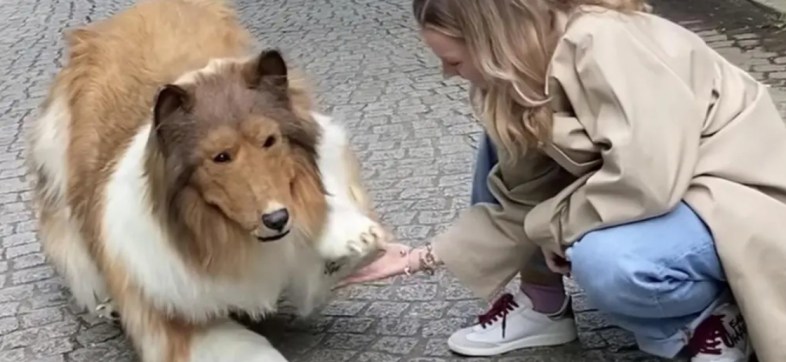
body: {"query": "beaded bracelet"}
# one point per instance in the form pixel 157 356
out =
pixel 428 262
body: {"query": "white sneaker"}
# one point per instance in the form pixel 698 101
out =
pixel 512 324
pixel 722 337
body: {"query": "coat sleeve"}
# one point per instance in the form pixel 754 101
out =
pixel 486 246
pixel 644 118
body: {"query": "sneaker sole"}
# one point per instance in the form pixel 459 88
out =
pixel 547 340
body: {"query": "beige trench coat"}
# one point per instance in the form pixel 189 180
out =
pixel 646 115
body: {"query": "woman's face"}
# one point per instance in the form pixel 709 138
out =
pixel 454 56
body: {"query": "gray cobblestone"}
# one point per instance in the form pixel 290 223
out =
pixel 415 136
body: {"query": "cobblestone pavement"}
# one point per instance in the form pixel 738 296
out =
pixel 416 139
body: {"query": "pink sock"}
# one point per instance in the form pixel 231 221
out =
pixel 546 299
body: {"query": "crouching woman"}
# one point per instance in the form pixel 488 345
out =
pixel 624 151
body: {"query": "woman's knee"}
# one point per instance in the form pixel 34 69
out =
pixel 662 261
pixel 608 275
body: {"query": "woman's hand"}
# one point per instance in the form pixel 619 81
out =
pixel 556 262
pixel 394 261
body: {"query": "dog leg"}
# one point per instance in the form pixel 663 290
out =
pixel 228 341
pixel 60 235
pixel 66 251
pixel 107 310
pixel 350 232
pixel 159 336
pixel 309 284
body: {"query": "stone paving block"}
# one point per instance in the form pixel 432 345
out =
pixel 414 133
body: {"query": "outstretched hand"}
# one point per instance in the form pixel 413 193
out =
pixel 393 261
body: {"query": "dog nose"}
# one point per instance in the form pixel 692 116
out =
pixel 276 220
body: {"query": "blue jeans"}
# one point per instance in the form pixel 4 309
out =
pixel 657 278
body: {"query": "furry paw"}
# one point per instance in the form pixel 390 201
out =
pixel 332 267
pixel 106 310
pixel 368 240
pixel 351 236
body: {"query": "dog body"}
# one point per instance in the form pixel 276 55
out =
pixel 181 178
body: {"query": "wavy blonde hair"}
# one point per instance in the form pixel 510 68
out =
pixel 511 42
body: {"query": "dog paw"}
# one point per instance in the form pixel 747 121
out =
pixel 368 240
pixel 106 310
pixel 352 236
pixel 332 267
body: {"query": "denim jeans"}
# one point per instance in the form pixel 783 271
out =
pixel 657 278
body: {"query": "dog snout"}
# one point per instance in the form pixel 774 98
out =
pixel 276 220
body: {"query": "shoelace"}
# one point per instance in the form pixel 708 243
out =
pixel 711 335
pixel 501 307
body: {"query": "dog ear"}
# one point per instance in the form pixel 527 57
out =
pixel 169 99
pixel 170 117
pixel 267 68
pixel 170 132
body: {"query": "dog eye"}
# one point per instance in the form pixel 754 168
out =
pixel 222 158
pixel 269 142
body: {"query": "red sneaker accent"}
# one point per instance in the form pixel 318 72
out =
pixel 501 307
pixel 712 334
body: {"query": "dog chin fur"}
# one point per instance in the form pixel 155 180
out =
pixel 170 310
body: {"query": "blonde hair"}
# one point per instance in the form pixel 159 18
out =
pixel 511 42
